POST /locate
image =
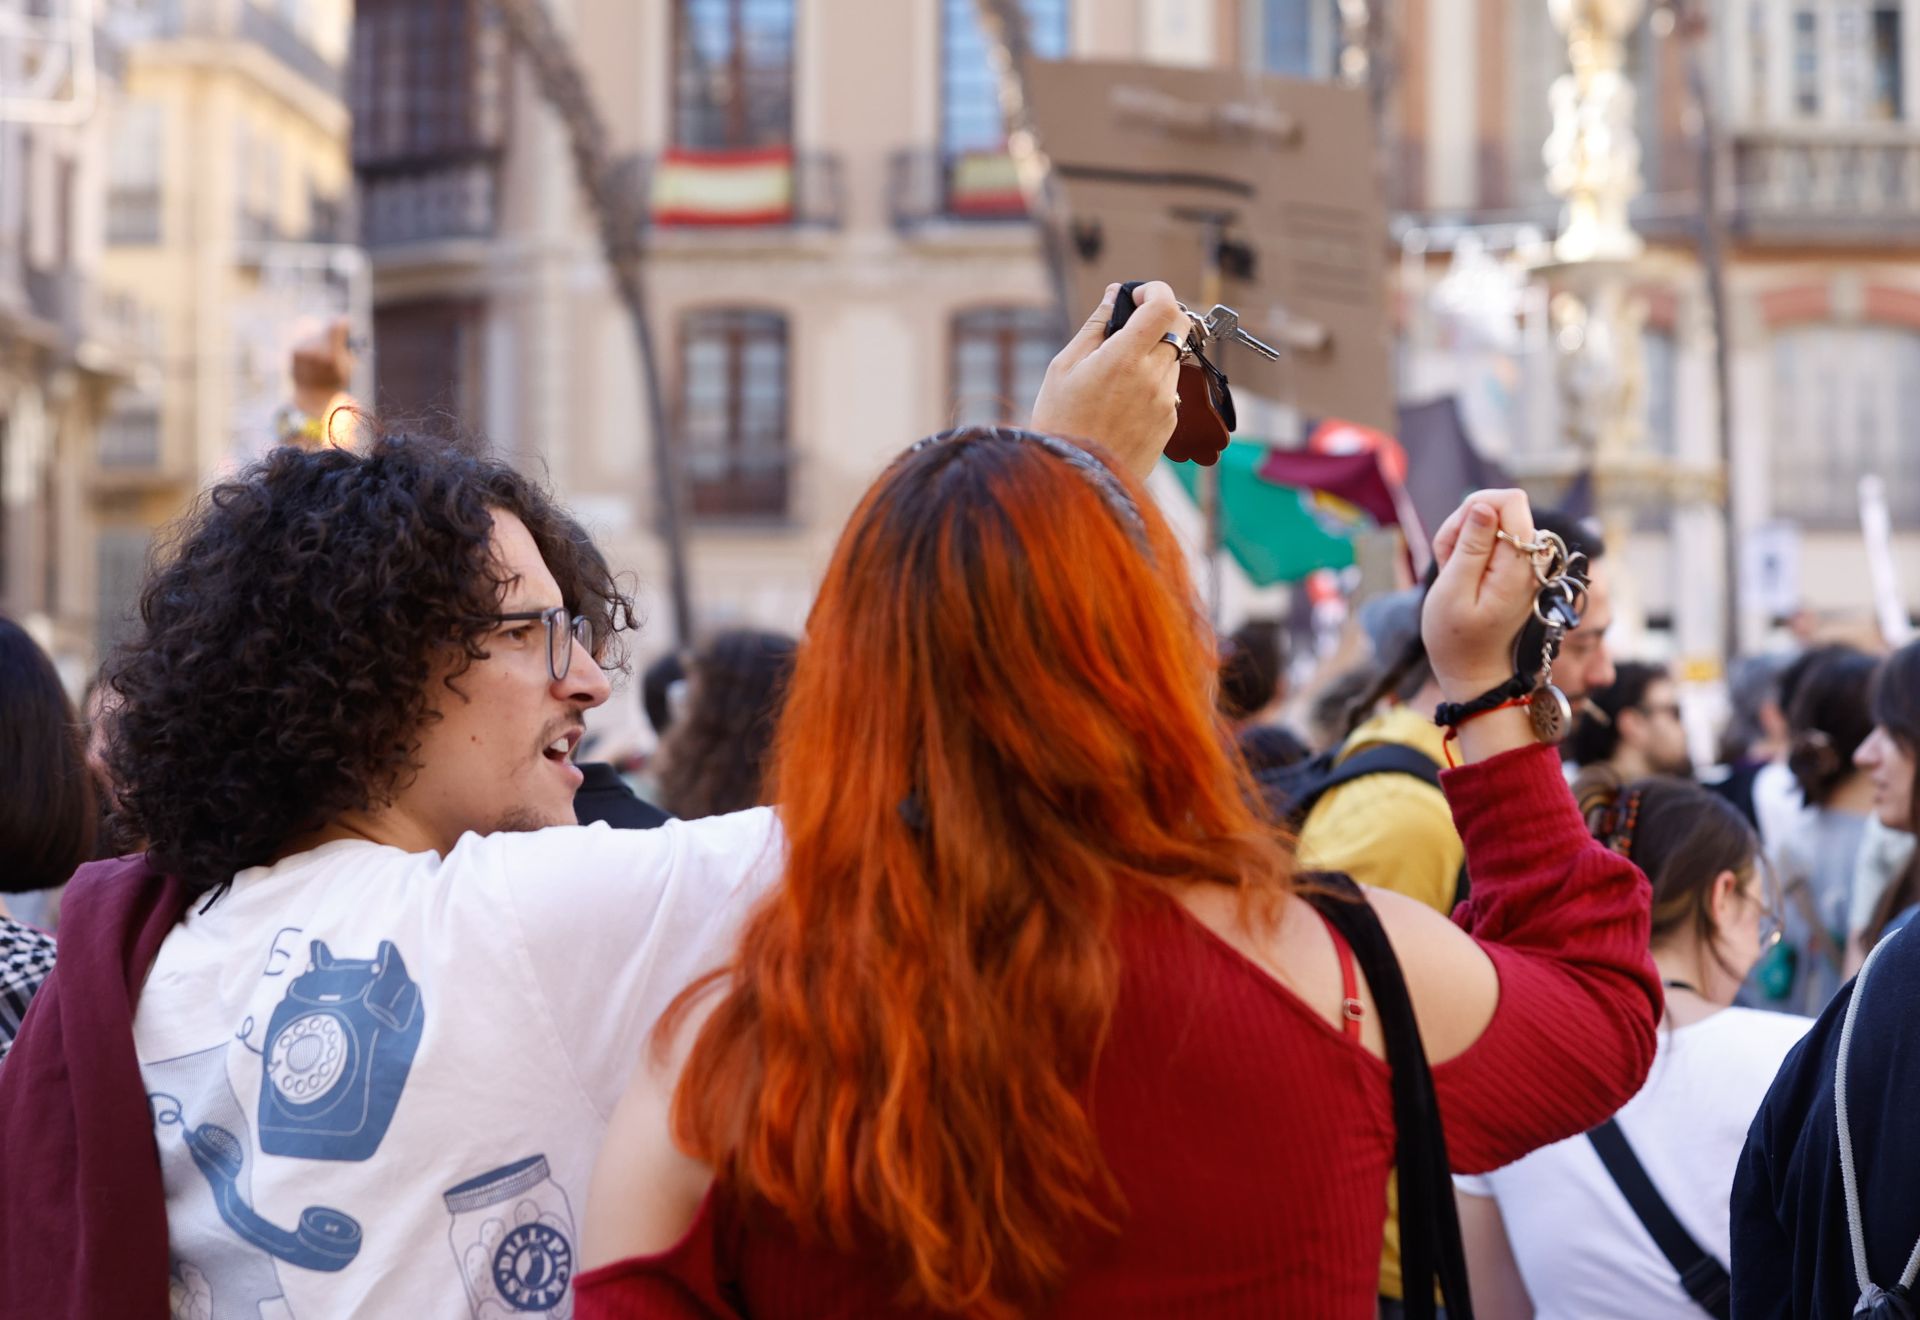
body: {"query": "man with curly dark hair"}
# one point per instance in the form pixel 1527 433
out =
pixel 345 1040
pixel 389 1009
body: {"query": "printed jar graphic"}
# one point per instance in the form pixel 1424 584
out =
pixel 512 1236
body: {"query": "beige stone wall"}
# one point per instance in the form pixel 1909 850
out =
pixel 210 91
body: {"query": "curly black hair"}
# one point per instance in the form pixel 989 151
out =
pixel 290 636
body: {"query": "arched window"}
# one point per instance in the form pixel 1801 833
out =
pixel 1846 404
pixel 733 412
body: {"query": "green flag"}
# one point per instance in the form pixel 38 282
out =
pixel 1267 528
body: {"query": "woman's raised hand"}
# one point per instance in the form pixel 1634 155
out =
pixel 1483 595
pixel 1118 392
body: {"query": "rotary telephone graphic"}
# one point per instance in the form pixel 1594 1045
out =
pixel 338 1050
pixel 325 1240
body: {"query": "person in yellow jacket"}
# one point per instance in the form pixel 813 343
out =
pixel 1394 830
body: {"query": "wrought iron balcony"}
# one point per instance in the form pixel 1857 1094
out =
pixel 429 202
pixel 775 188
pixel 102 331
pixel 752 484
pixel 1851 184
pixel 930 186
pixel 128 440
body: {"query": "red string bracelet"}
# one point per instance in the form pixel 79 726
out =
pixel 1453 730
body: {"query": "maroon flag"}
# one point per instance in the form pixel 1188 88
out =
pixel 1355 478
pixel 1360 477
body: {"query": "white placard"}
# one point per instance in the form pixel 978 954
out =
pixel 1770 569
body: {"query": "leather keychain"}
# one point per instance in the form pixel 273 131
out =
pixel 1207 417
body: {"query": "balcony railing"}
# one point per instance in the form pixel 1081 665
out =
pixel 774 188
pixel 90 320
pixel 1856 184
pixel 129 441
pixel 930 186
pixel 744 485
pixel 429 203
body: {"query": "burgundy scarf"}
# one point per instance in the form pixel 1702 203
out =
pixel 82 1210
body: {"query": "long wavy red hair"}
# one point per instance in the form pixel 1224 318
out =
pixel 1000 729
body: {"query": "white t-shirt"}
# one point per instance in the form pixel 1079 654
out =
pixel 1779 806
pixel 379 1079
pixel 1582 1252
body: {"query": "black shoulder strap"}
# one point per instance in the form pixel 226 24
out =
pixel 1700 1274
pixel 1378 759
pixel 1430 1247
pixel 1386 759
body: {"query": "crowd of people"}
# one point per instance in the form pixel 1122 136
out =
pixel 992 950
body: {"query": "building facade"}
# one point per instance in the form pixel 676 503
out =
pixel 839 259
pixel 839 262
pixel 68 344
pixel 1818 169
pixel 227 211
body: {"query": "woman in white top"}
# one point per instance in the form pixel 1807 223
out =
pixel 1551 1235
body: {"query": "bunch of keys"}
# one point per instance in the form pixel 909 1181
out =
pixel 1557 607
pixel 1207 415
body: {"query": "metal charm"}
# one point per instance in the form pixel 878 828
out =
pixel 1551 713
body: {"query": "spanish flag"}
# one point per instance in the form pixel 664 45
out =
pixel 753 187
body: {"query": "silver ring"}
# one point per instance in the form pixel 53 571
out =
pixel 1179 344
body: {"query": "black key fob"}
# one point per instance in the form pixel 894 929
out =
pixel 1207 415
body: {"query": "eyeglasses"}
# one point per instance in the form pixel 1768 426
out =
pixel 563 630
pixel 1671 709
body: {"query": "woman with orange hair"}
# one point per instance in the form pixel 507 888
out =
pixel 1037 1020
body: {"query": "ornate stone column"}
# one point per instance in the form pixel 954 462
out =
pixel 1592 156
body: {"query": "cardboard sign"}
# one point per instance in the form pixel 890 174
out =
pixel 1157 167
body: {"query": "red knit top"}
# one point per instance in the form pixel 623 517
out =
pixel 1251 1138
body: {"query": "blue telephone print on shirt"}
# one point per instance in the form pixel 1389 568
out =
pixel 325 1240
pixel 226 1256
pixel 338 1050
